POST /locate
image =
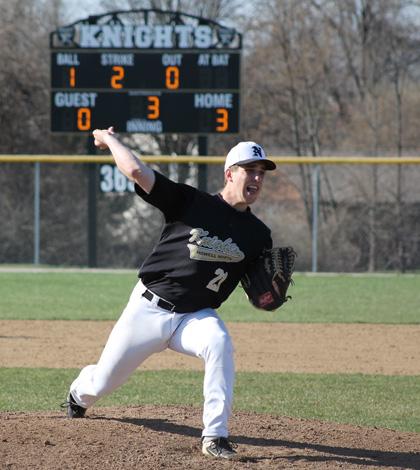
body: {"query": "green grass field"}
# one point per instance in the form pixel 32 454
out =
pixel 371 400
pixel 392 299
pixel 365 400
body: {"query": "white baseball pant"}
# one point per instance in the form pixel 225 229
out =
pixel 144 329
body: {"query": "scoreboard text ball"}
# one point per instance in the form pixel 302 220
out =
pixel 147 91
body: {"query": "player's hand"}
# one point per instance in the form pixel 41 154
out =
pixel 100 136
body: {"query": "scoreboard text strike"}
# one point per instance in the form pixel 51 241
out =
pixel 171 73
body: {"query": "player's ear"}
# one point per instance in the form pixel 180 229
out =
pixel 228 174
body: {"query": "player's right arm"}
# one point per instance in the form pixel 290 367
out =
pixel 132 167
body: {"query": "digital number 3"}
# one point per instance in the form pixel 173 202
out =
pixel 222 120
pixel 153 107
pixel 217 281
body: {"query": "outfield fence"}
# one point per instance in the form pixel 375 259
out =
pixel 340 213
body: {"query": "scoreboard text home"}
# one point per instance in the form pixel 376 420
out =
pixel 182 76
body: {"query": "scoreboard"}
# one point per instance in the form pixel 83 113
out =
pixel 145 70
pixel 150 91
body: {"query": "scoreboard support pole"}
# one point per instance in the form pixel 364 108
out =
pixel 202 168
pixel 92 212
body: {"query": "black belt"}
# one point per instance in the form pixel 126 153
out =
pixel 162 303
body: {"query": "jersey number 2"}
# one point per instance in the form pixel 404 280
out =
pixel 216 282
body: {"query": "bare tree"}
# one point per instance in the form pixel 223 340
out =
pixel 323 76
pixel 291 84
pixel 370 38
pixel 213 9
pixel 403 59
pixel 320 76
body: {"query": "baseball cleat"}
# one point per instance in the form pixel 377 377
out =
pixel 219 447
pixel 73 409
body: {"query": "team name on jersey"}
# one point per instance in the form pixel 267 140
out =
pixel 205 248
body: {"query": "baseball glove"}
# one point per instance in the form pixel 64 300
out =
pixel 268 278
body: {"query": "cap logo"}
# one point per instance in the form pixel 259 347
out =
pixel 257 151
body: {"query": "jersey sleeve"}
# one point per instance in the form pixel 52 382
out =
pixel 170 197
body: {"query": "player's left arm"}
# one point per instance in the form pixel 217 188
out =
pixel 131 166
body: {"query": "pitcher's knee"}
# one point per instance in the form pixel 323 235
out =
pixel 219 346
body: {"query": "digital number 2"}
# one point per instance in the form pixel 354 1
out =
pixel 118 77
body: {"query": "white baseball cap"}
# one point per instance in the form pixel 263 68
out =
pixel 247 152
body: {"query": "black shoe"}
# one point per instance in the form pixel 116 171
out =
pixel 219 447
pixel 73 409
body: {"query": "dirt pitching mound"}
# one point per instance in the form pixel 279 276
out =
pixel 158 437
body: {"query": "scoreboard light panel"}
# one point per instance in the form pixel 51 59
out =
pixel 152 92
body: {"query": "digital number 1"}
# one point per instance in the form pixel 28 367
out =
pixel 72 77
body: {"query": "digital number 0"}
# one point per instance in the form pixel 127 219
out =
pixel 84 119
pixel 172 77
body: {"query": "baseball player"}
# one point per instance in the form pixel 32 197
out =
pixel 204 249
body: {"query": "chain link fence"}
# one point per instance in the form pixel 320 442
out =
pixel 340 217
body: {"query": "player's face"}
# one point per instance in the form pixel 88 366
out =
pixel 249 180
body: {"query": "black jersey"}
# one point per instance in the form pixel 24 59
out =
pixel 204 248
